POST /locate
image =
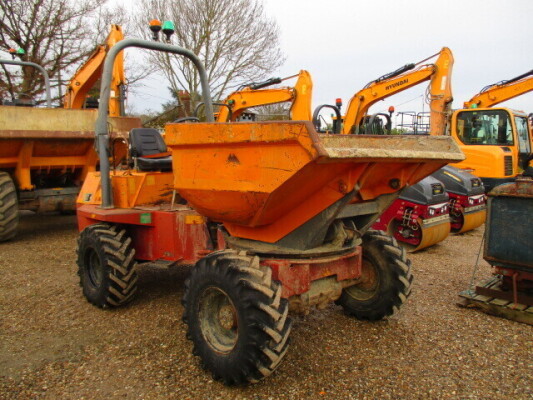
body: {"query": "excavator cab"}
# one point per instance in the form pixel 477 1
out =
pixel 496 142
pixel 485 128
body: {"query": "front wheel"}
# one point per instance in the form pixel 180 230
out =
pixel 385 282
pixel 9 218
pixel 106 265
pixel 236 317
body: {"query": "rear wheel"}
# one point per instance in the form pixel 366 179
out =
pixel 385 282
pixel 236 317
pixel 9 216
pixel 106 265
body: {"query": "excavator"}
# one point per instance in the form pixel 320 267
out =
pixel 420 217
pixel 88 74
pixel 439 92
pixel 255 94
pixel 497 142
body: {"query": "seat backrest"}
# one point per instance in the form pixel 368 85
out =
pixel 146 141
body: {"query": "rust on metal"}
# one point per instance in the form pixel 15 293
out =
pixel 522 187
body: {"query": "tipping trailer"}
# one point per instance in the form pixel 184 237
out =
pixel 45 154
pixel 270 215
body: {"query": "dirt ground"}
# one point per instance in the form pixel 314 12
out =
pixel 55 345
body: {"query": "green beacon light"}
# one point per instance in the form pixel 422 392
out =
pixel 21 51
pixel 168 29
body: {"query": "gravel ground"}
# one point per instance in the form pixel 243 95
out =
pixel 53 344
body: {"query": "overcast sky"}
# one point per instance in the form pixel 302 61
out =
pixel 344 44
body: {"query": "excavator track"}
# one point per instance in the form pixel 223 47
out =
pixel 495 305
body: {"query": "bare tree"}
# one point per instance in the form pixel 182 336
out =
pixel 234 39
pixel 272 112
pixel 56 34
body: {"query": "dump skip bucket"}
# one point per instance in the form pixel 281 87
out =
pixel 263 180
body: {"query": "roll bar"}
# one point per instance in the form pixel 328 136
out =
pixel 102 134
pixel 43 71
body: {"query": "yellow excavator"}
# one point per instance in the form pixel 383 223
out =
pixel 90 72
pixel 255 95
pixel 497 142
pixel 439 92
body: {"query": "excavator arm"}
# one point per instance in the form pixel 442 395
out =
pixel 502 91
pixel 255 95
pixel 440 93
pixel 86 76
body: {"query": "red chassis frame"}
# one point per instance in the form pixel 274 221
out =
pixel 181 236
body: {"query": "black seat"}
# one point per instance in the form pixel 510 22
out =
pixel 145 142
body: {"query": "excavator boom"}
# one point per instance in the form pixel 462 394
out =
pixel 440 93
pixel 255 95
pixel 502 91
pixel 88 74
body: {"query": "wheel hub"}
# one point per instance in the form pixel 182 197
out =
pixel 368 284
pixel 218 320
pixel 227 317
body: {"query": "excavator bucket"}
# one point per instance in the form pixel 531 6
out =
pixel 265 180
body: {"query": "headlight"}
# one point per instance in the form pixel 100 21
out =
pixel 470 201
pixel 431 211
